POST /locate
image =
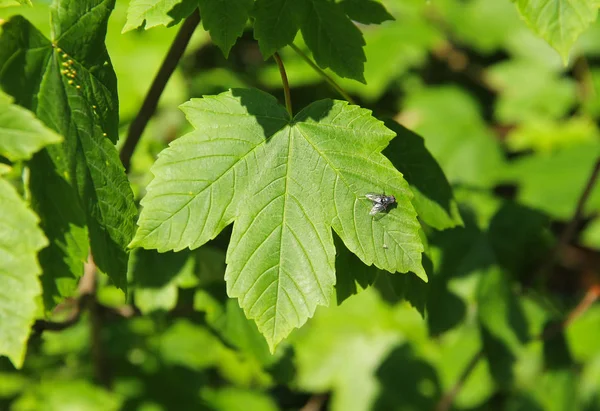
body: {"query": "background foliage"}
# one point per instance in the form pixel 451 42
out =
pixel 495 106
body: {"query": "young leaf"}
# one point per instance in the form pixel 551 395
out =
pixel 333 39
pixel 72 86
pixel 225 20
pixel 366 11
pixel 559 22
pixel 21 134
pixel 20 241
pixel 157 12
pixel 286 183
pixel 275 24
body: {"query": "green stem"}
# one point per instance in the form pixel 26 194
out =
pixel 286 84
pixel 327 78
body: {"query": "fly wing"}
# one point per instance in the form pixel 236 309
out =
pixel 374 197
pixel 377 208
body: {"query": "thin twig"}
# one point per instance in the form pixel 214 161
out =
pixel 286 84
pixel 74 317
pixel 167 68
pixel 327 78
pixel 569 230
pixel 590 297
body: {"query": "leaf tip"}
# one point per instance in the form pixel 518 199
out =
pixel 420 272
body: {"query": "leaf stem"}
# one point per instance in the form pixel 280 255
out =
pixel 327 77
pixel 150 103
pixel 286 84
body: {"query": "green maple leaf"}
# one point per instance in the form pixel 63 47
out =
pixel 559 22
pixel 286 183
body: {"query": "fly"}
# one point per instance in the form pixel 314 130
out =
pixel 380 202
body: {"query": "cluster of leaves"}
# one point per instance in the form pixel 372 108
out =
pixel 510 131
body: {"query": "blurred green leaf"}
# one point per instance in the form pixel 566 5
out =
pixel 333 39
pixel 454 352
pixel 530 91
pixel 553 182
pixel 21 133
pixel 196 348
pixel 503 325
pixel 154 278
pixel 57 395
pixel 591 103
pixel 76 94
pixel 559 22
pixel 484 25
pixel 546 135
pixel 228 319
pixel 12 384
pixel 236 399
pixel 156 12
pixel 342 348
pixel 583 335
pixel 450 122
pixel 366 11
pixel 557 391
pixel 392 50
pixel 420 384
pixel 589 387
pixel 20 241
pixel 591 235
pixel 520 238
pixel 225 20
pixel 280 230
pixel 190 346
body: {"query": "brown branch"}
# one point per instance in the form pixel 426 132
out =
pixel 569 230
pixel 590 297
pixel 150 103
